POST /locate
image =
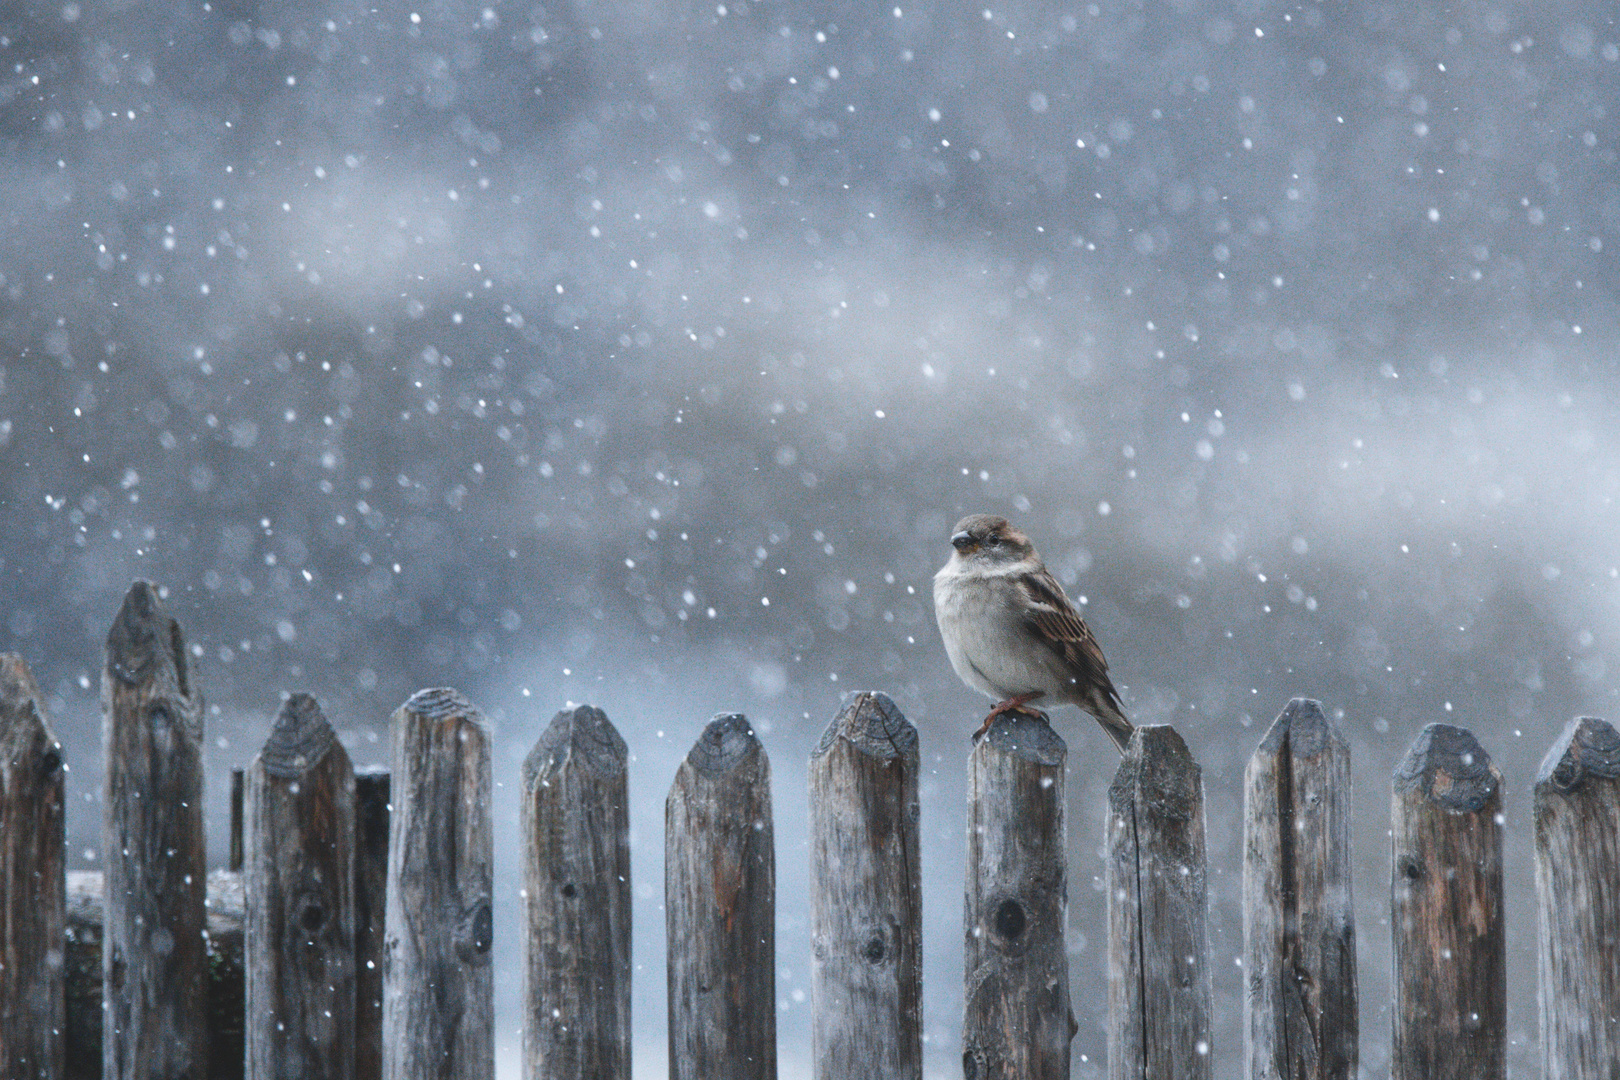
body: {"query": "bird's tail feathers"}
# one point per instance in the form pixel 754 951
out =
pixel 1105 707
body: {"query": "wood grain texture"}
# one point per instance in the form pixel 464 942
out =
pixel 298 859
pixel 1159 991
pixel 1017 1022
pixel 1577 812
pixel 576 877
pixel 154 961
pixel 370 907
pixel 223 994
pixel 1450 1012
pixel 437 981
pixel 866 895
pixel 33 899
pixel 1299 930
pixel 720 908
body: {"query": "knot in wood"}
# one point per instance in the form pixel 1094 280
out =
pixel 726 743
pixel 1450 768
pixel 1587 747
pixel 871 723
pixel 299 738
pixel 475 931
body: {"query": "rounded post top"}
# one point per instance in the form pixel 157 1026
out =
pixel 441 703
pixel 726 743
pixel 582 735
pixel 300 738
pixel 1588 748
pixel 1305 728
pixel 1450 768
pixel 871 723
pixel 1024 735
pixel 1159 770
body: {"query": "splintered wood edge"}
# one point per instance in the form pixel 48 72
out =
pixel 874 725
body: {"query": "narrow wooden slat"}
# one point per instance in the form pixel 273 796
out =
pixel 1017 1021
pixel 720 908
pixel 154 962
pixel 299 873
pixel 33 898
pixel 370 905
pixel 1577 811
pixel 438 987
pixel 1299 930
pixel 576 877
pixel 1450 1010
pixel 866 895
pixel 1159 990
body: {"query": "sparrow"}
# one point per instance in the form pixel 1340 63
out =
pixel 1011 632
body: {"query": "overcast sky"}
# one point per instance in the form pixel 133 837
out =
pixel 643 353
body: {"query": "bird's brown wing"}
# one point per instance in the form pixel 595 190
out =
pixel 1061 627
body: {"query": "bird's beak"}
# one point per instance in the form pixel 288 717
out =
pixel 963 542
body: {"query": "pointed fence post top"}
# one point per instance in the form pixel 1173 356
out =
pixel 726 744
pixel 300 738
pixel 1159 769
pixel 583 736
pixel 1588 747
pixel 873 724
pixel 1304 728
pixel 145 644
pixel 22 715
pixel 442 704
pixel 1450 768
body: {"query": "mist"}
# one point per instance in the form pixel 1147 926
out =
pixel 643 354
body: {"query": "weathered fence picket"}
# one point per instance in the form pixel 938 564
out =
pixel 33 901
pixel 1017 1021
pixel 1577 812
pixel 1299 929
pixel 298 860
pixel 720 908
pixel 1159 990
pixel 576 880
pixel 370 904
pixel 438 1022
pixel 1450 1010
pixel 866 895
pixel 154 963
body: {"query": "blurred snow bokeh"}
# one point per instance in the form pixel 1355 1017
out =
pixel 643 354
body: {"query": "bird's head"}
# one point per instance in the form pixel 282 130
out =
pixel 990 538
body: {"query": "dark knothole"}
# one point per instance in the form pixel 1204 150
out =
pixel 1010 920
pixel 874 950
pixel 312 918
pixel 569 891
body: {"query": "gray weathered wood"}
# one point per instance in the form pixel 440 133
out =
pixel 223 993
pixel 154 959
pixel 720 908
pixel 1159 993
pixel 1450 1011
pixel 1017 1022
pixel 1299 929
pixel 33 901
pixel 1577 810
pixel 437 979
pixel 576 878
pixel 866 895
pixel 370 905
pixel 298 856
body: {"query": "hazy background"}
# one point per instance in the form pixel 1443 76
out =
pixel 643 353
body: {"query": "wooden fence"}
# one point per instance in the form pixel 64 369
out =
pixel 352 937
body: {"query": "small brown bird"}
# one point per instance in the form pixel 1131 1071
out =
pixel 1011 632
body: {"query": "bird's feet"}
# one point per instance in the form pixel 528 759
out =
pixel 1015 703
